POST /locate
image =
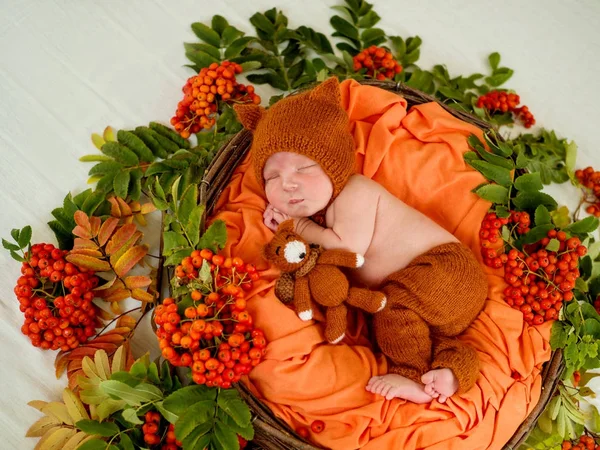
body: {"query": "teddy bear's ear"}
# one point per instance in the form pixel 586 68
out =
pixel 249 115
pixel 288 225
pixel 328 90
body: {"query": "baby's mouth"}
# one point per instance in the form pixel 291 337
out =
pixel 295 201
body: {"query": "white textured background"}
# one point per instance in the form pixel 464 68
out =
pixel 68 68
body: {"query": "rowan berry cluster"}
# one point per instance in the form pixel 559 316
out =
pixel 56 299
pixel 590 180
pixel 585 443
pixel 198 109
pixel 154 432
pixel 214 334
pixel 378 61
pixel 501 101
pixel 539 280
pixel 490 234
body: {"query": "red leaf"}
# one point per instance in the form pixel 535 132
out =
pixel 120 237
pixel 142 295
pixel 109 338
pixel 82 220
pixel 95 223
pixel 82 232
pixel 88 262
pixel 107 229
pixel 130 259
pixel 138 281
pixel 87 252
pixel 60 363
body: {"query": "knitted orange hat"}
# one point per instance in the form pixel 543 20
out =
pixel 312 124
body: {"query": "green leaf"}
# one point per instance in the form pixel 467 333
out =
pixel 198 438
pixel 246 432
pixel 226 436
pixel 219 24
pixel 24 236
pixel 134 143
pixel 126 442
pixel 15 233
pixel 171 418
pixel 172 242
pixel 494 60
pixel 121 183
pixel 105 429
pixel 537 233
pixel 145 134
pixel 529 182
pixel 93 444
pixel 215 236
pixel 553 245
pixel 542 216
pixel 558 338
pixel 179 401
pixel 207 34
pixel 531 200
pixel 372 36
pixel 120 153
pixel 571 157
pixel 197 416
pixel 133 396
pixel 492 172
pixel 502 212
pixel 273 79
pixel 476 144
pixel 192 228
pixel 200 58
pixel 171 135
pixel 493 193
pixel 8 246
pixel 93 202
pixel 238 46
pixel 189 200
pixel 105 167
pixel 583 226
pixel 94 158
pixel 451 93
pixel 231 403
pixel 230 34
pixel 178 256
pixel 369 19
pixel 344 27
pixel 499 78
pixel 130 415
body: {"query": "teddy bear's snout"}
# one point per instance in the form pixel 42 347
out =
pixel 295 251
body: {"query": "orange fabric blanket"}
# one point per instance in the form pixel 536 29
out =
pixel 418 156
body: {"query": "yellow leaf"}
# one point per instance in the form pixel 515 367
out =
pixel 126 246
pixel 89 262
pixel 117 285
pixel 107 229
pixel 37 404
pixel 128 219
pixel 58 411
pixel 102 365
pixel 114 307
pixel 131 257
pixel 94 179
pixel 137 281
pixel 119 360
pixel 54 440
pixel 40 427
pixel 98 140
pixel 117 296
pixel 109 134
pixel 148 208
pixel 135 206
pixel 89 368
pixel 140 219
pixel 82 232
pixel 142 295
pixel 75 441
pixel 106 285
pixel 74 406
pixel 119 239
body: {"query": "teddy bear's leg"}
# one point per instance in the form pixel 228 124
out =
pixel 335 329
pixel 367 300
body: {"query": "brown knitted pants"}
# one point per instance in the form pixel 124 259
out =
pixel 430 302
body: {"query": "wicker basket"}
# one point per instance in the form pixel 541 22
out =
pixel 272 433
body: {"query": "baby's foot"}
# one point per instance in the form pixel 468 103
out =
pixel 392 385
pixel 440 384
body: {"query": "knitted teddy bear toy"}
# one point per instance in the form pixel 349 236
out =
pixel 311 273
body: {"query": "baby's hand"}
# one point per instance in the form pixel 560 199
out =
pixel 272 217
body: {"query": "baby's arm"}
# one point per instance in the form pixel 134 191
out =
pixel 316 234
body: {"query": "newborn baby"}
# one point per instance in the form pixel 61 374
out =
pixel 304 154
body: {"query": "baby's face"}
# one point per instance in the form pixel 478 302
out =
pixel 296 185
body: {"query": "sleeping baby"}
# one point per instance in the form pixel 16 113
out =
pixel 303 153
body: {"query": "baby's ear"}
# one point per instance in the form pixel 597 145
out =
pixel 288 225
pixel 328 90
pixel 249 115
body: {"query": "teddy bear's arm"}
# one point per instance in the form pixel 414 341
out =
pixel 302 299
pixel 344 258
pixel 284 288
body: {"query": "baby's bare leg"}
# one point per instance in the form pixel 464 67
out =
pixel 367 300
pixel 396 386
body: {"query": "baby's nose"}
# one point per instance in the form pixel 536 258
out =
pixel 290 185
